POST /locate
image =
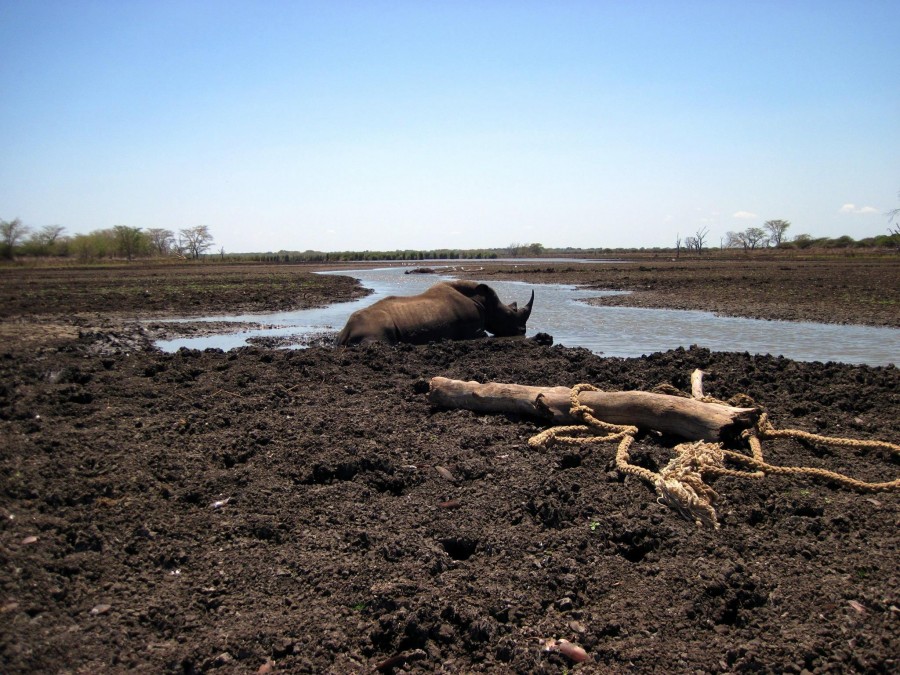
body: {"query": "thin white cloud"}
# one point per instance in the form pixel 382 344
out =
pixel 744 215
pixel 853 208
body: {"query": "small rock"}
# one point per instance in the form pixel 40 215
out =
pixel 564 604
pixel 223 659
pixel 445 473
pixel 102 608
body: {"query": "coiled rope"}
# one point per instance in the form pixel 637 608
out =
pixel 679 485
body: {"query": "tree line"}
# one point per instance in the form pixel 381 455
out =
pixel 773 234
pixel 130 243
pixel 120 241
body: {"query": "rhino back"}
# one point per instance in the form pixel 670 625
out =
pixel 442 314
pixel 444 311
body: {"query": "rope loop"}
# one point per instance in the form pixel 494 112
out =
pixel 679 485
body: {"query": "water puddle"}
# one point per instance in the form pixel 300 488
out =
pixel 560 311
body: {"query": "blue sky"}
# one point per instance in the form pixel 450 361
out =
pixel 379 125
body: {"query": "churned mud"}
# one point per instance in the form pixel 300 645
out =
pixel 307 510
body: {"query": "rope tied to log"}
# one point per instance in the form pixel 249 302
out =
pixel 679 485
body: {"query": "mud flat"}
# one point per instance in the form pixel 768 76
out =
pixel 845 290
pixel 267 510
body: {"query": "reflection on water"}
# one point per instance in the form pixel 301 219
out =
pixel 611 331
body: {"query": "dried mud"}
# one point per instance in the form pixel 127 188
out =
pixel 308 511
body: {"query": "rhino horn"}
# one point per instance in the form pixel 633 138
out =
pixel 525 312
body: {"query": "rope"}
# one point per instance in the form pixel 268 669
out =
pixel 679 485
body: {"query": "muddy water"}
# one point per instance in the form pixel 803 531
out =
pixel 611 331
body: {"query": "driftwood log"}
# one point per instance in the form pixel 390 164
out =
pixel 688 418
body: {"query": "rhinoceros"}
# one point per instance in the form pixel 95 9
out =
pixel 456 310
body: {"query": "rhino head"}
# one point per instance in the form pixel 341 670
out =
pixel 503 320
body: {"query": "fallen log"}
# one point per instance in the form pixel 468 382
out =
pixel 686 418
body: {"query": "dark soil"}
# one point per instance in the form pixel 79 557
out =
pixel 269 510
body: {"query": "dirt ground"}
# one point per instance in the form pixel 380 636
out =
pixel 308 511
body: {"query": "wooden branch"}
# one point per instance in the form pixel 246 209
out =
pixel 697 383
pixel 684 417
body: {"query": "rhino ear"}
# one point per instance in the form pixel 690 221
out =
pixel 488 295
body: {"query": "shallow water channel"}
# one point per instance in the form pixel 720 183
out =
pixel 611 331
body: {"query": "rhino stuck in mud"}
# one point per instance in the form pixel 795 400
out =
pixel 455 310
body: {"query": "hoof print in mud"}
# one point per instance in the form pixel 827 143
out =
pixel 730 599
pixel 459 548
pixel 377 473
pixel 635 545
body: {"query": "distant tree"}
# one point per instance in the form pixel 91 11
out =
pixel 49 235
pixel 94 245
pixel 194 241
pixel 844 241
pixel 535 249
pixel 750 239
pixel 735 240
pixel 44 241
pixel 130 241
pixel 514 249
pixel 803 241
pixel 776 230
pixel 690 243
pixel 162 241
pixel 756 237
pixel 81 246
pixel 678 245
pixel 11 233
pixel 894 221
pixel 700 239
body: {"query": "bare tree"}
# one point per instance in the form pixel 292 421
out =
pixel 11 233
pixel 195 241
pixel 894 215
pixel 700 239
pixel 678 245
pixel 162 241
pixel 690 243
pixel 736 240
pixel 776 229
